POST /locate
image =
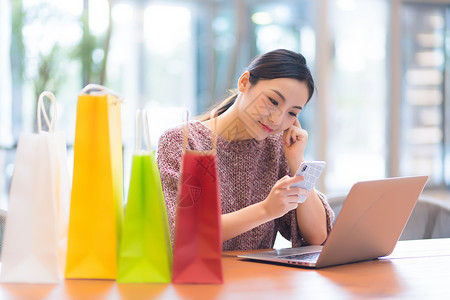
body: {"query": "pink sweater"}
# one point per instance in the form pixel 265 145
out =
pixel 247 172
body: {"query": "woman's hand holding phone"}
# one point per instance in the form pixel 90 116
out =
pixel 283 197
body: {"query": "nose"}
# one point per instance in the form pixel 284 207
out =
pixel 274 117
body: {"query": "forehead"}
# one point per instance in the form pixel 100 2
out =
pixel 294 91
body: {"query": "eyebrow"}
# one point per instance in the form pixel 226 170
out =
pixel 284 99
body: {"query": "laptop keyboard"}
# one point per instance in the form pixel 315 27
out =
pixel 310 257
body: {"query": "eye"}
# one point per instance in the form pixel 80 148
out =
pixel 293 114
pixel 273 101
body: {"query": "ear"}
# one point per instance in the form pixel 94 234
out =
pixel 244 82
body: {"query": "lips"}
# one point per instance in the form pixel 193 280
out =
pixel 266 128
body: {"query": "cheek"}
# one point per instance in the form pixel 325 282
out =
pixel 255 107
pixel 288 121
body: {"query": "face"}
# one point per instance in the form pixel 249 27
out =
pixel 270 106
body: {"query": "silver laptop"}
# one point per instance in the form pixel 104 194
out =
pixel 369 225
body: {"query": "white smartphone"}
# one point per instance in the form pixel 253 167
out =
pixel 311 170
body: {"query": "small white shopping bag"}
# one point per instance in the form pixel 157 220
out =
pixel 35 239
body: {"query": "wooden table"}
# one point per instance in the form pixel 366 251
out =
pixel 416 270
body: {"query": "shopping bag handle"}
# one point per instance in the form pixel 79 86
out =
pixel 98 89
pixel 41 109
pixel 214 116
pixel 185 128
pixel 142 121
pixel 146 129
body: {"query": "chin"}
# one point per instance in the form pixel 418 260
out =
pixel 264 135
pixel 261 138
pixel 258 133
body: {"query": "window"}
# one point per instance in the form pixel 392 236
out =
pixel 357 108
pixel 379 111
pixel 422 114
pixel 290 25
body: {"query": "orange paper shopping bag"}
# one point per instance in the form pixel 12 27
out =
pixel 198 233
pixel 96 208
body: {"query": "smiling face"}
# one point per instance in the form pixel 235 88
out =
pixel 270 106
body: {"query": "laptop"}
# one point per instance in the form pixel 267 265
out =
pixel 369 225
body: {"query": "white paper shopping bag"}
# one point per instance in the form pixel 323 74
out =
pixel 35 239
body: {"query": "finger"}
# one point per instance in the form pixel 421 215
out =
pixel 284 183
pixel 296 198
pixel 292 202
pixel 280 182
pixel 294 192
pixel 294 136
pixel 287 136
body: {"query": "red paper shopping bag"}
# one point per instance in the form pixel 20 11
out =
pixel 198 233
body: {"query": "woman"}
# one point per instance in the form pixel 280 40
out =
pixel 260 145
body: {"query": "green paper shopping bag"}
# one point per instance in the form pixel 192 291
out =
pixel 145 253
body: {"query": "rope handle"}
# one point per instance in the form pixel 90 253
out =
pixel 142 122
pixel 146 129
pixel 97 89
pixel 214 116
pixel 41 110
pixel 185 129
pixel 213 135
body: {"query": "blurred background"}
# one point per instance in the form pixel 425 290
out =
pixel 381 109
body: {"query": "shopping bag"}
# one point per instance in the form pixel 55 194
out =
pixel 198 234
pixel 96 208
pixel 35 238
pixel 145 250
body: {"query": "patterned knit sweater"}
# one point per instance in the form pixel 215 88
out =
pixel 247 172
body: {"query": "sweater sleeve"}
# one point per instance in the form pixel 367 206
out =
pixel 169 156
pixel 289 227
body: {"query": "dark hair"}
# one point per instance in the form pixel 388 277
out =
pixel 280 63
